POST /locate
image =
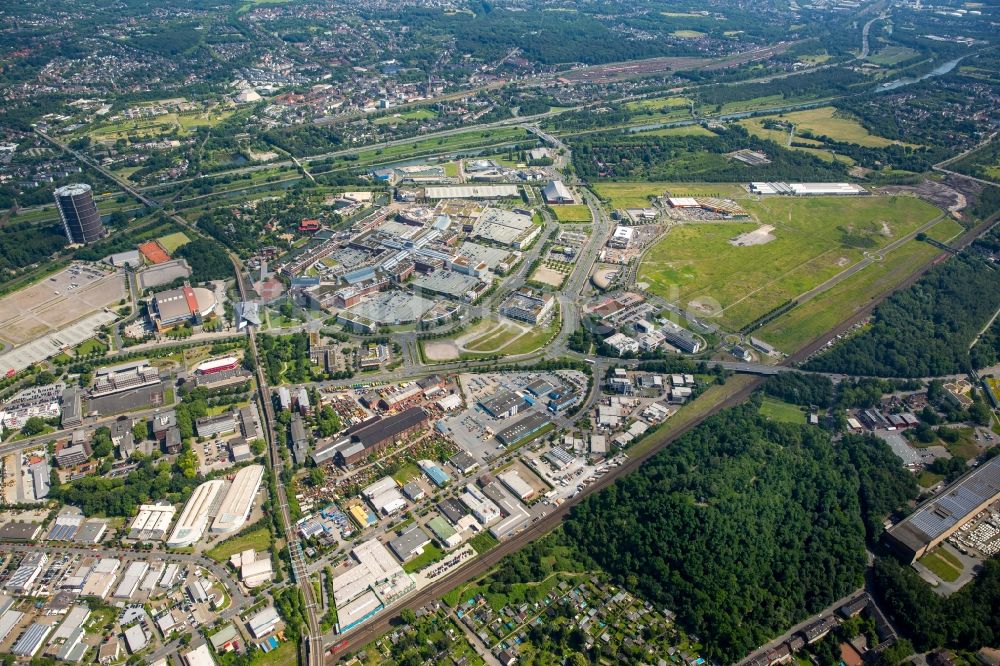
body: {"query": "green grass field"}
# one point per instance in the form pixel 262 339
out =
pixel 815 239
pixel 891 55
pixel 636 195
pixel 683 130
pixel 779 410
pixel 929 479
pixel 405 116
pixel 257 539
pixel 659 103
pixel 171 242
pixel 183 123
pixel 573 213
pixel 431 554
pixel 494 339
pixel 688 34
pixel 91 346
pixel 808 321
pixel 945 566
pixel 822 121
pixel 405 473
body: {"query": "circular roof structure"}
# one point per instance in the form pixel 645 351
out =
pixel 206 300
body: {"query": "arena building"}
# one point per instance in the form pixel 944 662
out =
pixel 183 305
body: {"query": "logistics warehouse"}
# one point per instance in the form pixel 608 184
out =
pixel 939 518
pixel 227 504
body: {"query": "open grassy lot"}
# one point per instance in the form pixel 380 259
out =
pixel 171 242
pixel 494 338
pixel 257 539
pixel 814 240
pixel 659 103
pixel 405 116
pixel 286 654
pixel 405 473
pixel 91 346
pixel 929 479
pixel 821 121
pixel 945 566
pixel 688 34
pixel 573 213
pixel 534 339
pixel 808 321
pixel 636 195
pixel 432 553
pixel 779 410
pixel 183 123
pixel 683 130
pixel 891 55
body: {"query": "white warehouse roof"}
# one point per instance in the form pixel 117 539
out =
pixel 194 518
pixel 236 506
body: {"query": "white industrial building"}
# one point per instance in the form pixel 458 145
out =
pixel 622 344
pixel 255 570
pixel 8 620
pixel 194 518
pixel 264 622
pixel 100 577
pixel 74 619
pixel 807 189
pixel 384 496
pixel 31 640
pixel 238 502
pixel 149 582
pixel 473 192
pixel 136 638
pixel 515 484
pixel 481 507
pixel 24 577
pixel 152 522
pixel 130 580
pixel 376 569
pixel 200 656
pixel 557 193
pixel 450 402
pixel 169 576
pixel 622 237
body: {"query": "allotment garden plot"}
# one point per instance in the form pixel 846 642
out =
pixel 737 270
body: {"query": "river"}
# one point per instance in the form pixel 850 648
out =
pixel 941 69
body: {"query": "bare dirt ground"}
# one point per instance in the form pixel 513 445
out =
pixel 759 236
pixel 441 350
pixel 549 276
pixel 54 302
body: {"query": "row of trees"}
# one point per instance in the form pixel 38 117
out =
pixel 923 331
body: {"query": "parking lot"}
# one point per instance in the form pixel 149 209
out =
pixel 56 301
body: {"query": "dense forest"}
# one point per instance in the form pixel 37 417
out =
pixel 742 527
pixel 24 243
pixel 207 258
pixel 967 619
pixel 106 496
pixel 923 331
pixel 818 84
pixel 693 158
